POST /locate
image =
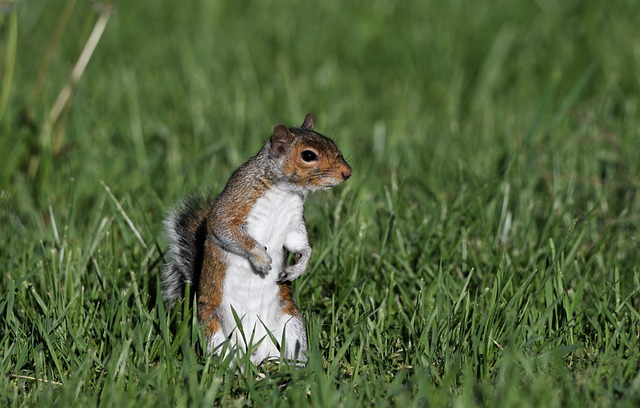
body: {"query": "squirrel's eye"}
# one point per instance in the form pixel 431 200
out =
pixel 308 156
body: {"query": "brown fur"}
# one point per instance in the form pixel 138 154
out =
pixel 210 287
pixel 330 161
pixel 287 304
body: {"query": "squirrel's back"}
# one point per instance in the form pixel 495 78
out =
pixel 186 230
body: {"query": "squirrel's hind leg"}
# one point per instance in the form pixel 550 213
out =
pixel 294 348
pixel 216 342
pixel 209 295
pixel 292 325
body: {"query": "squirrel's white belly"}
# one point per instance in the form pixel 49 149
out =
pixel 253 296
pixel 272 219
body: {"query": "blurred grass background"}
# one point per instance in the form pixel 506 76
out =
pixel 484 253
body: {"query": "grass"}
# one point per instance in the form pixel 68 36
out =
pixel 484 253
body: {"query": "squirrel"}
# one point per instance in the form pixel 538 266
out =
pixel 234 248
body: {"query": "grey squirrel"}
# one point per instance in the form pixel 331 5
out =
pixel 234 248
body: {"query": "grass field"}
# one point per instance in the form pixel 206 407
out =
pixel 484 253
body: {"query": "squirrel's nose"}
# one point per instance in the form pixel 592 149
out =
pixel 346 173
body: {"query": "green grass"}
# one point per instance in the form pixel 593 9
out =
pixel 484 253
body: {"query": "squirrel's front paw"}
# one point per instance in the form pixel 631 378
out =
pixel 260 259
pixel 292 272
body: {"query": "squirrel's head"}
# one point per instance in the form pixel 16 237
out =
pixel 308 159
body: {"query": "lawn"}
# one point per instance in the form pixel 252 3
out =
pixel 483 254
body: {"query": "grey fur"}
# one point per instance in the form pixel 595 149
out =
pixel 185 229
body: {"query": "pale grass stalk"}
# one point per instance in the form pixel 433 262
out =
pixel 81 64
pixel 26 377
pixel 124 215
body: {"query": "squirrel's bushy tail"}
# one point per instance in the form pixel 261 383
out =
pixel 186 230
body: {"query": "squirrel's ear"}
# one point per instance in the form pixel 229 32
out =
pixel 280 140
pixel 308 122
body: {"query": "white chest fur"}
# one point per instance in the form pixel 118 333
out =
pixel 275 221
pixel 273 218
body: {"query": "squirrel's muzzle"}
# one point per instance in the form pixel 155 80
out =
pixel 346 170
